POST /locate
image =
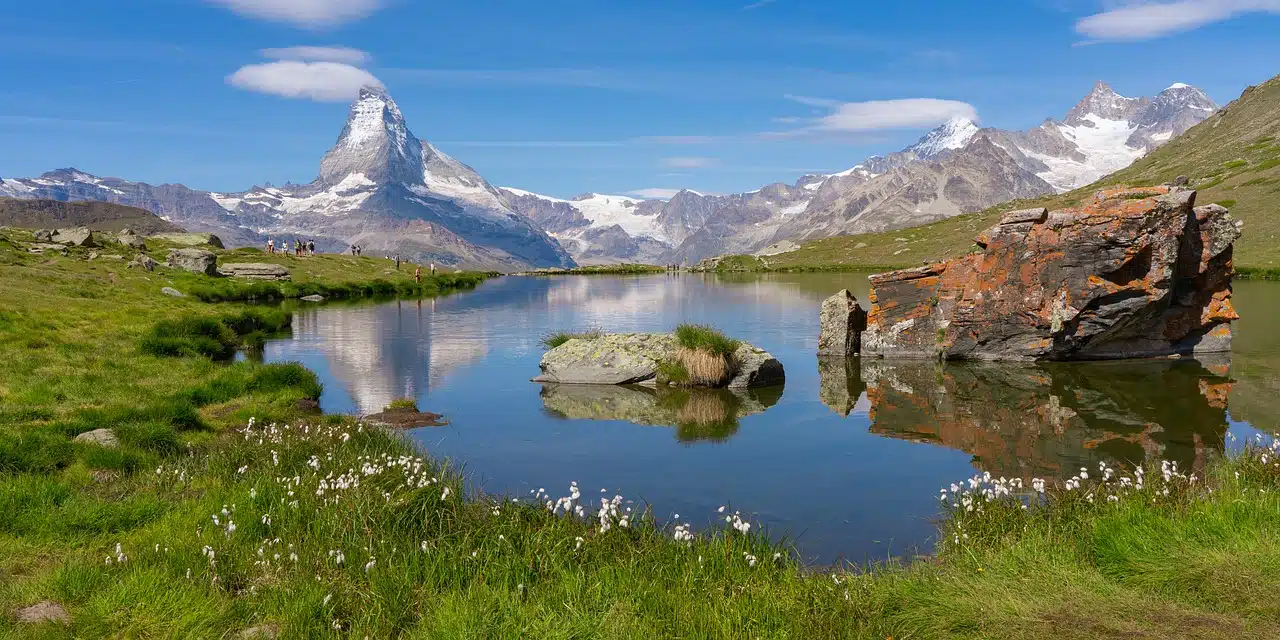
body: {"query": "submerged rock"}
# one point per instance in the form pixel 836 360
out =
pixel 312 298
pixel 634 358
pixel 255 270
pixel 194 260
pixel 841 323
pixel 1134 273
pixel 405 418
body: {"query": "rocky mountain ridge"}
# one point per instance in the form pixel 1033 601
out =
pixel 379 187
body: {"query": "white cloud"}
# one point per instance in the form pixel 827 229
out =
pixel 757 4
pixel 907 113
pixel 687 162
pixel 1146 20
pixel 654 193
pixel 303 13
pixel 345 55
pixel 320 81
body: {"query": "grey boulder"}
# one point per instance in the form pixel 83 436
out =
pixel 190 239
pixel 255 270
pixel 143 262
pixel 77 237
pixel 132 240
pixel 101 437
pixel 194 260
pixel 620 358
pixel 756 368
pixel 841 323
pixel 170 291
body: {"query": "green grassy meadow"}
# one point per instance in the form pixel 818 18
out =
pixel 232 508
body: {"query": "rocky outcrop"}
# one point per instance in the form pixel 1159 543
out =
pixel 190 239
pixel 634 358
pixel 254 270
pixel 1134 273
pixel 841 323
pixel 194 260
pixel 621 358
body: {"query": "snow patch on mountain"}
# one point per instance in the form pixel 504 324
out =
pixel 953 134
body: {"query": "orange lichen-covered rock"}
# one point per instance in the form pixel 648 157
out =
pixel 1134 273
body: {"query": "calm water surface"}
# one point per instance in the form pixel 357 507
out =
pixel 846 459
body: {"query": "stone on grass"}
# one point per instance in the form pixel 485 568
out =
pixel 143 261
pixel 43 611
pixel 132 240
pixel 255 270
pixel 102 437
pixel 190 239
pixel 841 323
pixel 170 291
pixel 77 237
pixel 194 260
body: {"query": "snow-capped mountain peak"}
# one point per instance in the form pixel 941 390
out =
pixel 375 142
pixel 952 134
pixel 1104 103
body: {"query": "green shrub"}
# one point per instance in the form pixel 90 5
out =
pixel 402 403
pixel 705 338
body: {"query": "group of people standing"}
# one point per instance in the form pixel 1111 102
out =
pixel 356 249
pixel 299 247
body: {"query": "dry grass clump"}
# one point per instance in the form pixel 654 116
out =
pixel 705 368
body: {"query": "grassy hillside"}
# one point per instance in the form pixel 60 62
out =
pixel 99 216
pixel 1232 158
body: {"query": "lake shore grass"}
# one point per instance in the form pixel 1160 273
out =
pixel 230 505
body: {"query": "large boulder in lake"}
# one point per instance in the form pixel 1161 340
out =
pixel 841 323
pixel 255 270
pixel 617 358
pixel 194 260
pixel 634 358
pixel 1133 273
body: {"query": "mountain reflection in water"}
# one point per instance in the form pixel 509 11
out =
pixel 1042 420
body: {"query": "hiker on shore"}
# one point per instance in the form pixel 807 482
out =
pixel 271 246
pixel 397 262
pixel 417 274
pixel 433 268
pixel 311 247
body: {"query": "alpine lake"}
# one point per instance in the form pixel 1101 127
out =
pixel 844 461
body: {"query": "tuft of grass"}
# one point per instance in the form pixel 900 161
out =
pixel 558 338
pixel 705 368
pixel 703 337
pixel 402 403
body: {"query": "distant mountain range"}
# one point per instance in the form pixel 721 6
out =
pixel 384 189
pixel 379 187
pixel 99 216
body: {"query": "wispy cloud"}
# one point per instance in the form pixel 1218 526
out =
pixel 319 81
pixel 757 4
pixel 310 14
pixel 1147 20
pixel 689 162
pixel 875 115
pixel 345 55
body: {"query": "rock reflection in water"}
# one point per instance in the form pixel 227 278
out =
pixel 840 385
pixel 697 414
pixel 1046 420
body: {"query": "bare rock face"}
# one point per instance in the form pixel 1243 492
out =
pixel 255 270
pixel 194 260
pixel 1134 273
pixel 842 322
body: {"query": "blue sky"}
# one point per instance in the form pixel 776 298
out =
pixel 564 97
